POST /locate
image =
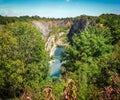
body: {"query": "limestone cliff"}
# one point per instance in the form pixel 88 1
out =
pixel 44 27
pixel 54 41
pixel 51 40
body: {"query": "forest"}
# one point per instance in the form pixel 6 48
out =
pixel 91 61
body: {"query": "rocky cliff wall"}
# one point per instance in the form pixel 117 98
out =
pixel 52 40
pixel 44 27
pixel 77 27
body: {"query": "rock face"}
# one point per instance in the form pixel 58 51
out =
pixel 50 45
pixel 44 27
pixel 52 40
pixel 77 27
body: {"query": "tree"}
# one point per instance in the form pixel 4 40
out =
pixel 83 59
pixel 111 21
pixel 24 63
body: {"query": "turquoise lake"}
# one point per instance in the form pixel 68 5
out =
pixel 56 64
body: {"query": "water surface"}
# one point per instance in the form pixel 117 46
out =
pixel 56 64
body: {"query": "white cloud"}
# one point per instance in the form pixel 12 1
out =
pixel 9 12
pixel 68 0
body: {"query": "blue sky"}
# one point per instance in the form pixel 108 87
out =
pixel 58 8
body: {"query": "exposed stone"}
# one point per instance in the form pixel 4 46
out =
pixel 44 27
pixel 52 41
pixel 77 27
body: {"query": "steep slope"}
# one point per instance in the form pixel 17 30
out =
pixel 78 26
pixel 44 27
pixel 53 39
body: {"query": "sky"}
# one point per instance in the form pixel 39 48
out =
pixel 58 8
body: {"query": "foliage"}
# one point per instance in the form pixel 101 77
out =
pixel 6 20
pixel 111 21
pixel 83 60
pixel 59 29
pixel 24 63
pixel 92 61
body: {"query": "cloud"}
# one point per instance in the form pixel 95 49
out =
pixel 9 12
pixel 67 0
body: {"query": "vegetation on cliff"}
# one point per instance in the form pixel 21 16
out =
pixel 91 68
pixel 93 60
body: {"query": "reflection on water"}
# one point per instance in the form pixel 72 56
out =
pixel 56 64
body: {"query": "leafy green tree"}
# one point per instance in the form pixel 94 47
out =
pixel 24 63
pixel 111 21
pixel 83 59
pixel 109 78
pixel 7 50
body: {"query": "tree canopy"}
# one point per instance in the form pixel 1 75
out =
pixel 24 63
pixel 87 61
